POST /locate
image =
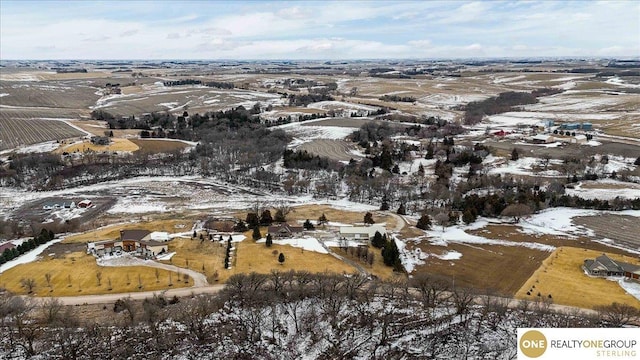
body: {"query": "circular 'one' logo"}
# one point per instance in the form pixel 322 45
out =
pixel 533 343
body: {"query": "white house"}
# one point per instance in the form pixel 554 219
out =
pixel 580 139
pixel 131 241
pixel 362 233
pixel 542 139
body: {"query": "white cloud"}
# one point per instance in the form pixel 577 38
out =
pixel 333 30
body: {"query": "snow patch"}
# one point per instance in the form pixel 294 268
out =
pixel 306 243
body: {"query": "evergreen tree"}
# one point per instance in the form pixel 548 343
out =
pixel 377 240
pixel 391 255
pixel 421 169
pixel 385 159
pixel 256 233
pixel 269 240
pixel 514 154
pixel 385 204
pixel 401 210
pixel 240 226
pixel 266 219
pixel 430 150
pixel 308 225
pixel 368 218
pixel 252 220
pixel 396 169
pixel 469 215
pixel 637 161
pixel 424 222
pixel 281 258
pixel 280 216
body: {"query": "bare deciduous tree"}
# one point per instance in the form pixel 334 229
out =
pixel 28 284
pixel 516 211
pixel 618 315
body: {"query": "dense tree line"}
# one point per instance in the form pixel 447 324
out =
pixel 213 84
pixel 301 159
pixel 397 98
pixel 306 99
pixel 44 237
pixel 504 102
pixel 320 316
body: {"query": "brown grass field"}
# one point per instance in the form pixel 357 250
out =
pixel 561 276
pixel 254 257
pixel 207 257
pixel 158 146
pixel 313 212
pixel 98 128
pixel 116 145
pixel 499 269
pixel 378 269
pixel 81 269
pixel 113 231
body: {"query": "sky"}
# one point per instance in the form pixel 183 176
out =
pixel 324 30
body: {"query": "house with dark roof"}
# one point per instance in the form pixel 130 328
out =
pixel 6 246
pixel 605 266
pixel 138 242
pixel 284 230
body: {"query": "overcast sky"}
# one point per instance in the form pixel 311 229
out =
pixel 317 29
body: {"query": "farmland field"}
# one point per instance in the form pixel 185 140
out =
pixel 14 133
pixel 623 230
pixel 340 122
pixel 52 94
pixel 339 150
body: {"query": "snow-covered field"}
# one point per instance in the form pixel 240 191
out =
pixel 610 189
pixel 307 243
pixel 522 166
pixel 515 118
pixel 28 257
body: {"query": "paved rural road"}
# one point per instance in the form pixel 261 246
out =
pixel 111 298
pixel 400 221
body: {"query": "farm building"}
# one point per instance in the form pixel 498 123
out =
pixel 100 140
pixel 284 230
pixel 579 139
pixel 84 203
pixel 57 205
pixel 131 241
pixel 605 266
pixel 542 139
pixel 570 126
pixel 362 233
